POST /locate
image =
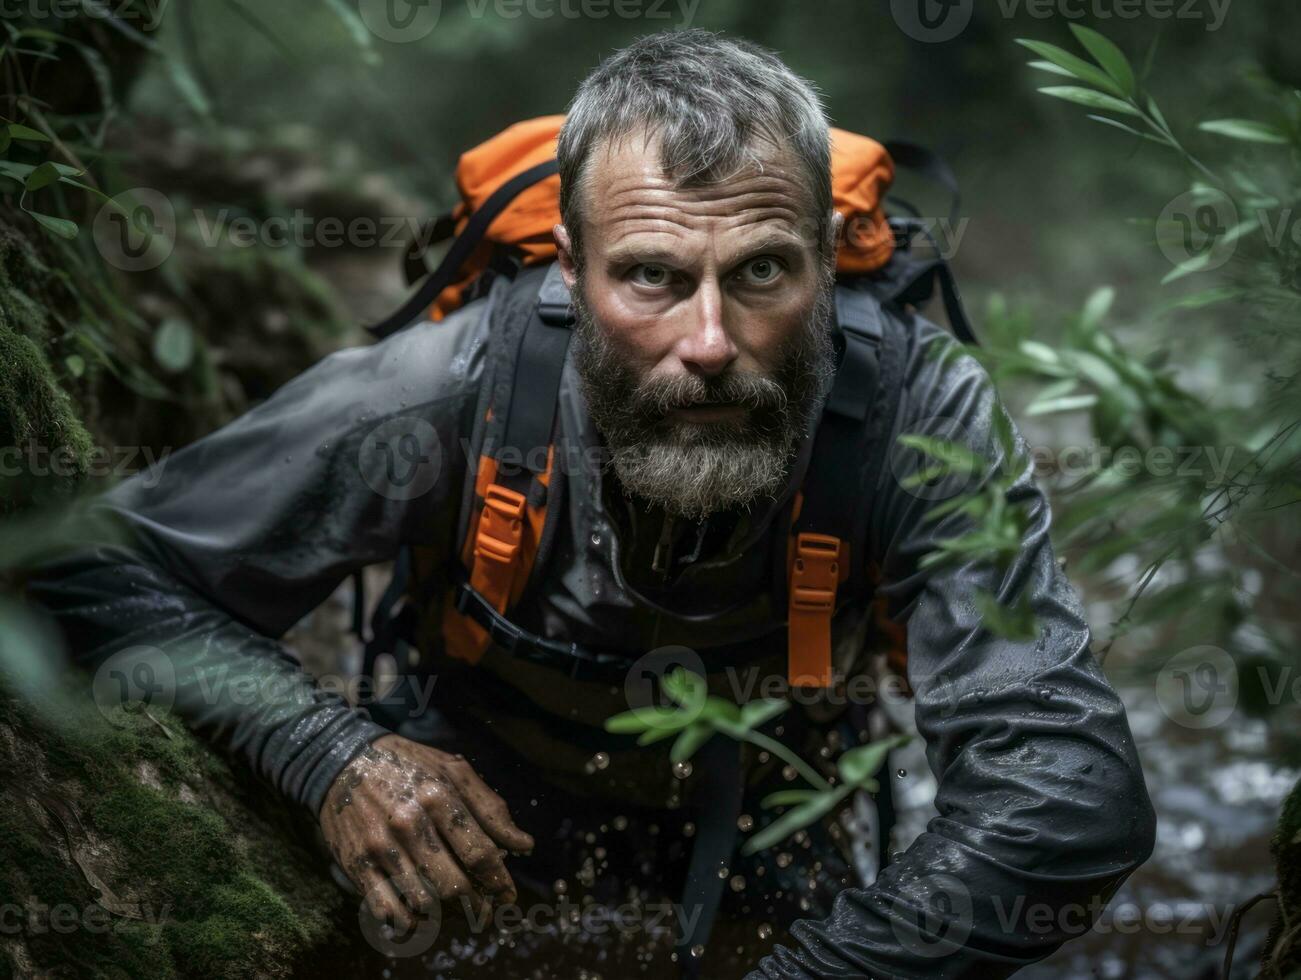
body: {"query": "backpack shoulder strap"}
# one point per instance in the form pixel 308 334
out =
pixel 829 527
pixel 819 555
pixel 418 304
pixel 510 515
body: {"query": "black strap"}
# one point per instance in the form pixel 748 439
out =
pixel 831 486
pixel 720 793
pixel 386 628
pixel 929 164
pixel 539 363
pixel 461 249
pixel 587 663
pixel 413 262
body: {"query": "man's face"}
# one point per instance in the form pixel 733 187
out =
pixel 703 339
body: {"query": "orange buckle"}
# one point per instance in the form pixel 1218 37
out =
pixel 813 584
pixel 500 525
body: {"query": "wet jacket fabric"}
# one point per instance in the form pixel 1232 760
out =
pixel 1041 801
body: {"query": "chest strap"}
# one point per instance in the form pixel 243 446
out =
pixel 505 533
pixel 827 517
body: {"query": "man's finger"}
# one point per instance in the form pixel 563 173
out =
pixel 474 849
pixel 435 862
pixel 490 809
pixel 382 900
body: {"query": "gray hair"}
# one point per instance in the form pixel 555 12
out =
pixel 710 102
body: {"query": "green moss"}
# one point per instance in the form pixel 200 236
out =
pixel 1286 848
pixel 34 410
pixel 235 890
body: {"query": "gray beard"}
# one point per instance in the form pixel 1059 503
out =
pixel 694 470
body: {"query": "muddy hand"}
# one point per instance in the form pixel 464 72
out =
pixel 412 826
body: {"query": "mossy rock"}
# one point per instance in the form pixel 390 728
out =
pixel 162 859
pixel 1283 953
pixel 34 410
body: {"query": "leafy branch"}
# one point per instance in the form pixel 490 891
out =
pixel 695 716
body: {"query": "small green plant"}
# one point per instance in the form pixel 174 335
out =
pixel 696 716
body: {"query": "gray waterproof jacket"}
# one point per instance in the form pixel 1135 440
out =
pixel 1042 809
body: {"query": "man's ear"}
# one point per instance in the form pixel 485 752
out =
pixel 565 255
pixel 833 230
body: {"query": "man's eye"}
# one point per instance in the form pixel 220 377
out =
pixel 651 275
pixel 760 271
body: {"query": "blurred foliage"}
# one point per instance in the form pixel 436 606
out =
pixel 1190 494
pixel 236 110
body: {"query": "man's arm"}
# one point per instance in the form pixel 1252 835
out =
pixel 247 530
pixel 1043 811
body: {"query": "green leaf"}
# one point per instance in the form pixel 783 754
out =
pixel 357 29
pixel 1090 98
pixel 188 86
pixel 628 722
pixel 174 345
pixel 5 139
pixel 1105 53
pixel 1037 351
pixel 58 226
pixel 756 713
pixel 75 364
pixel 1187 267
pixel 44 175
pixel 1117 124
pixel 652 735
pixel 861 763
pixel 1072 403
pixel 1098 306
pixel 720 711
pixel 794 820
pixel 954 457
pixel 1246 130
pixel 1049 67
pixel 686 688
pixel 1155 111
pixel 693 737
pixel 27 134
pixel 1073 66
pixel 787 797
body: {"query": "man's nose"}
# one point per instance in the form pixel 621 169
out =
pixel 707 348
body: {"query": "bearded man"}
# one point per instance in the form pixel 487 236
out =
pixel 697 246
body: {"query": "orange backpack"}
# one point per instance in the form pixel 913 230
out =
pixel 510 203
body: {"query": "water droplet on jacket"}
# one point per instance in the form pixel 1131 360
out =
pixel 688 829
pixel 596 539
pixel 561 886
pixel 788 773
pixel 744 822
pixel 697 951
pixel 765 931
pixel 601 760
pixel 737 883
pixel 621 823
pixel 901 773
pixel 783 860
pixel 682 769
pixel 724 871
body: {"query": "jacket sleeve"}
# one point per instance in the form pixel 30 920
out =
pixel 230 541
pixel 1042 808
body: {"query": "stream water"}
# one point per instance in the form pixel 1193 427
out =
pixel 1217 796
